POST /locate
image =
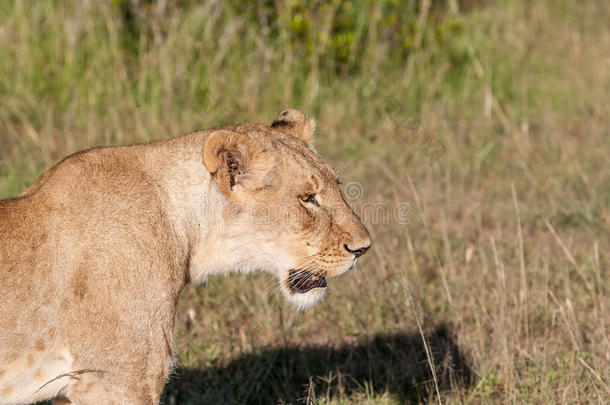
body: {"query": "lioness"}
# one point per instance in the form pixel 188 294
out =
pixel 93 256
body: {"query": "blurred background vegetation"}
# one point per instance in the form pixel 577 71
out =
pixel 488 118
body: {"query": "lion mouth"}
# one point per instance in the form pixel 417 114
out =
pixel 302 281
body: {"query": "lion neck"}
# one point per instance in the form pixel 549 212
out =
pixel 195 207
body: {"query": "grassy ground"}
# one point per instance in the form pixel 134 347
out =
pixel 481 160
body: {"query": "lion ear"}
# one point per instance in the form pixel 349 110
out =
pixel 295 123
pixel 235 159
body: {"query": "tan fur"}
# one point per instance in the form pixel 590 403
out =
pixel 93 256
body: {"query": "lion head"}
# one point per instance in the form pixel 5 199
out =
pixel 282 209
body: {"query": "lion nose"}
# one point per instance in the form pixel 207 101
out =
pixel 358 252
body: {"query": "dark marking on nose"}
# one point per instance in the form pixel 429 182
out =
pixel 358 252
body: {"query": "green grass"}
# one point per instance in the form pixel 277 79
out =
pixel 504 259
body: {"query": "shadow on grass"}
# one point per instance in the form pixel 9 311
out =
pixel 394 364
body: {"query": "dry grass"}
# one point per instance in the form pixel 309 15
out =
pixel 496 290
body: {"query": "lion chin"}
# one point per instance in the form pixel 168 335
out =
pixel 304 301
pixel 301 288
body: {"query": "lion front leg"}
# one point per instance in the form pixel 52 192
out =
pixel 129 383
pixel 93 389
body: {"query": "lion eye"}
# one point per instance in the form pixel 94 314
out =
pixel 308 198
